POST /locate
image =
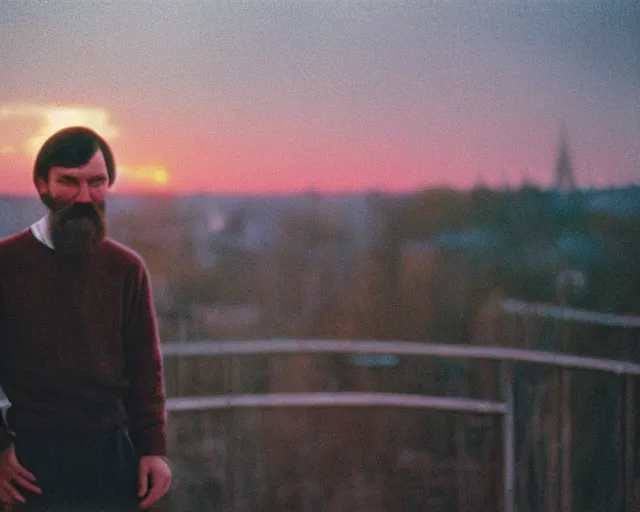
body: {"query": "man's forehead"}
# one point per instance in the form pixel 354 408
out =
pixel 96 166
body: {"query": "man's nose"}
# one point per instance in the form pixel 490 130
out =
pixel 84 194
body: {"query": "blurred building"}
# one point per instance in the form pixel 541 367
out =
pixel 18 213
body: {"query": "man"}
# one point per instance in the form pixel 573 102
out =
pixel 79 352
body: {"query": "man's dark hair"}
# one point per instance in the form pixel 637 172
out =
pixel 72 147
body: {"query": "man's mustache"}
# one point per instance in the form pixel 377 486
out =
pixel 82 210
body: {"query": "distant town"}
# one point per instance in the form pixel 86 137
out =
pixel 369 265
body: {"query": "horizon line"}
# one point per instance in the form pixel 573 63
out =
pixel 373 191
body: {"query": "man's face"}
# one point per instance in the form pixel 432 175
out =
pixel 76 198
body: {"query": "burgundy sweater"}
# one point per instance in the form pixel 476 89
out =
pixel 79 350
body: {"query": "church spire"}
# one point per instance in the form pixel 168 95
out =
pixel 564 178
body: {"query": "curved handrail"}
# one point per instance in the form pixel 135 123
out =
pixel 291 346
pixel 569 314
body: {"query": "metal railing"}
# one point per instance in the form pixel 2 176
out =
pixel 566 314
pixel 504 408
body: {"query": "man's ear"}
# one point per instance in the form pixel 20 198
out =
pixel 42 186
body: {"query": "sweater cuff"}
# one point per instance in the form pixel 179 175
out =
pixel 152 443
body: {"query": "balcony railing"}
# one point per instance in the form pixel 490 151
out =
pixel 503 408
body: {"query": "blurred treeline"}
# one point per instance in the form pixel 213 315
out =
pixel 415 267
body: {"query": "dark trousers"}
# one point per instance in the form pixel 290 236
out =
pixel 91 474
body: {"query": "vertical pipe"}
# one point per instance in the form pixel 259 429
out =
pixel 228 433
pixel 552 484
pixel 508 438
pixel 501 426
pixel 236 457
pixel 628 444
pixel 462 473
pixel 509 455
pixel 618 421
pixel 566 433
pixel 460 462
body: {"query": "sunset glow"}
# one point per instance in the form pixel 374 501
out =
pixel 25 143
pixel 50 118
pixel 143 177
pixel 62 117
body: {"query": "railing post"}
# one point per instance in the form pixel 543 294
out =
pixel 552 484
pixel 566 426
pixel 628 444
pixel 508 437
pixel 229 432
pixel 236 458
pixel 566 432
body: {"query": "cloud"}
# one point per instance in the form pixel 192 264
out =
pixel 52 118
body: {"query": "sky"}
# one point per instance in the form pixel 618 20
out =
pixel 275 96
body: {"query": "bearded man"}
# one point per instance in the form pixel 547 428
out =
pixel 79 353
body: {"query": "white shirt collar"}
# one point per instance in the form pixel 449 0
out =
pixel 42 231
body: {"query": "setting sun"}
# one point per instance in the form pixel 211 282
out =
pixel 155 176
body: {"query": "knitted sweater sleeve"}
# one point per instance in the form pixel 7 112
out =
pixel 145 401
pixel 6 438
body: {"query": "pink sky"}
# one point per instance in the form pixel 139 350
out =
pixel 331 97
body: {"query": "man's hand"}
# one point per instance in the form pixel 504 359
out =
pixel 13 474
pixel 154 477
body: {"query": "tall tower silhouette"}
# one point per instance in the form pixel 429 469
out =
pixel 564 178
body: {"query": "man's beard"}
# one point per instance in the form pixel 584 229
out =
pixel 77 228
